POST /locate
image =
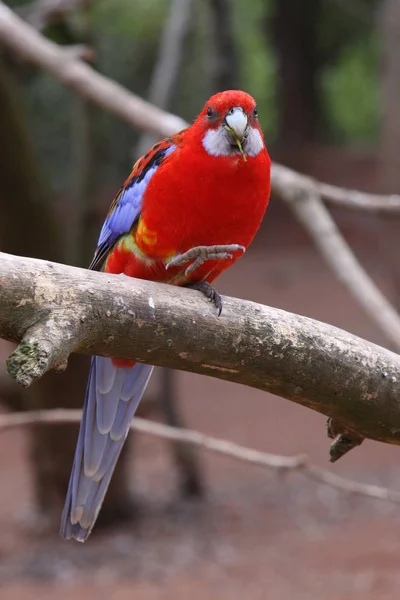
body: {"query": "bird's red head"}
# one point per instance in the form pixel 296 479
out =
pixel 228 125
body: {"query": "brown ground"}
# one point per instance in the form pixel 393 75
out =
pixel 256 535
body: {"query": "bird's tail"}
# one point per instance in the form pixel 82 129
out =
pixel 112 396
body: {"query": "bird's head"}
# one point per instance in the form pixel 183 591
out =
pixel 229 125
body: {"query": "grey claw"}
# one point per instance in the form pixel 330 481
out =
pixel 201 254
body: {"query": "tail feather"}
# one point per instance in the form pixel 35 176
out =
pixel 107 403
pixel 109 456
pixel 127 408
pixel 112 396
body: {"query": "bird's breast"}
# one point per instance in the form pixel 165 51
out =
pixel 203 200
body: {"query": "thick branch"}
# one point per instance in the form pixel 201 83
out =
pixel 308 362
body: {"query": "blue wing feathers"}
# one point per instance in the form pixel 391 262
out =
pixel 128 207
pixel 112 392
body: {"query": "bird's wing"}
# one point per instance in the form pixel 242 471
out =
pixel 127 205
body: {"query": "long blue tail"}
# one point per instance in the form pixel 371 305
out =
pixel 112 396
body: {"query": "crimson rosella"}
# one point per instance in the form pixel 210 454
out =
pixel 190 207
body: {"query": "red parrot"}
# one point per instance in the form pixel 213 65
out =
pixel 190 207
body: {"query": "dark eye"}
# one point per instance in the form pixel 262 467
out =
pixel 255 112
pixel 210 112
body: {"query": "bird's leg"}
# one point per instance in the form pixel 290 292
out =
pixel 200 254
pixel 208 290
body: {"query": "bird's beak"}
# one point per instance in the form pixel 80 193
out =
pixel 236 121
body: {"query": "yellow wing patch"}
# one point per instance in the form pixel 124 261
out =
pixel 145 236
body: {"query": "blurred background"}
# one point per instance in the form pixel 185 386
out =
pixel 178 523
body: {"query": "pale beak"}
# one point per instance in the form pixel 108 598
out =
pixel 236 120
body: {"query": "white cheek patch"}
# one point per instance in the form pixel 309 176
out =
pixel 254 143
pixel 215 143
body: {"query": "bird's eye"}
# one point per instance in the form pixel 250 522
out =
pixel 210 112
pixel 255 112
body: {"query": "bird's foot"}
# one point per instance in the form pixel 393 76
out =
pixel 200 254
pixel 210 293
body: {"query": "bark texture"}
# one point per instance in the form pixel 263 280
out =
pixel 56 310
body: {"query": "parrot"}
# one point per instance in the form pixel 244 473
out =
pixel 189 209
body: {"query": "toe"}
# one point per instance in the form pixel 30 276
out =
pixel 216 298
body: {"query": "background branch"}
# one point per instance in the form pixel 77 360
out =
pixel 337 197
pixel 42 13
pixel 166 70
pixel 31 45
pixel 277 462
pixel 308 362
pixel 302 196
pixel 377 204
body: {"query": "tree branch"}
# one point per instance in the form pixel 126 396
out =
pixel 74 73
pixel 279 463
pixel 302 196
pixel 337 197
pixel 377 204
pixel 166 70
pixel 56 310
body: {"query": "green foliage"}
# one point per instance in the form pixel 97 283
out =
pixel 344 23
pixel 16 4
pixel 351 92
pixel 139 19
